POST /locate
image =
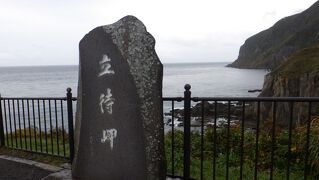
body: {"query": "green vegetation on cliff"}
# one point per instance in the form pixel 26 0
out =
pixel 305 61
pixel 269 48
pixel 298 76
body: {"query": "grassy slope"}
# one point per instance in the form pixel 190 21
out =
pixel 302 62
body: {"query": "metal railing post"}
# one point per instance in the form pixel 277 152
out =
pixel 187 112
pixel 70 122
pixel 2 143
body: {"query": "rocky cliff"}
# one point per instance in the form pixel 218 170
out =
pixel 297 77
pixel 269 48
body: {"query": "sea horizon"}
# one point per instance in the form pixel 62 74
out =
pixel 206 79
pixel 167 63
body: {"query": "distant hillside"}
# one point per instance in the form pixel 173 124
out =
pixel 269 48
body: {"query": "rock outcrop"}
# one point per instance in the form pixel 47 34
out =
pixel 298 77
pixel 270 48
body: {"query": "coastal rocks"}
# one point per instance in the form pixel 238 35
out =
pixel 222 115
pixel 119 123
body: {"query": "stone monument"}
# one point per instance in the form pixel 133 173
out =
pixel 119 122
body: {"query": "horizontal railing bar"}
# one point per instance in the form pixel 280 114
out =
pixel 256 99
pixel 37 98
pixel 34 98
pixel 176 177
pixel 172 98
pixel 40 153
pixel 282 99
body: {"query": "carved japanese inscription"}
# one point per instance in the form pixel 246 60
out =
pixel 105 66
pixel 109 135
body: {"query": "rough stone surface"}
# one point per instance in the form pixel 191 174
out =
pixel 306 85
pixel 134 79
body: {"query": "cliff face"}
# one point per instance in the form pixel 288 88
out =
pixel 306 85
pixel 269 48
pixel 298 77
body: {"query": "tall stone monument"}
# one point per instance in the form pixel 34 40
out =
pixel 119 125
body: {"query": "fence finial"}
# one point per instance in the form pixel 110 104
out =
pixel 187 87
pixel 68 89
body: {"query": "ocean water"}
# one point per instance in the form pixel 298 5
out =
pixel 209 79
pixel 206 79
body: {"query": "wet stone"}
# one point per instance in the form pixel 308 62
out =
pixel 119 130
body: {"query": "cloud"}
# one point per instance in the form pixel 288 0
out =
pixel 268 16
pixel 207 48
pixel 296 11
pixel 37 32
pixel 7 55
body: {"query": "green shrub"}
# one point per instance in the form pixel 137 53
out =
pixel 297 151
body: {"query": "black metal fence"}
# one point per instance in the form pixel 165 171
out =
pixel 40 125
pixel 242 137
pixel 205 138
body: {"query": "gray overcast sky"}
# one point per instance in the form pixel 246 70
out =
pixel 47 32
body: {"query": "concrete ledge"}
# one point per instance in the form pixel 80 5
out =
pixel 61 175
pixel 43 166
pixel 53 172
